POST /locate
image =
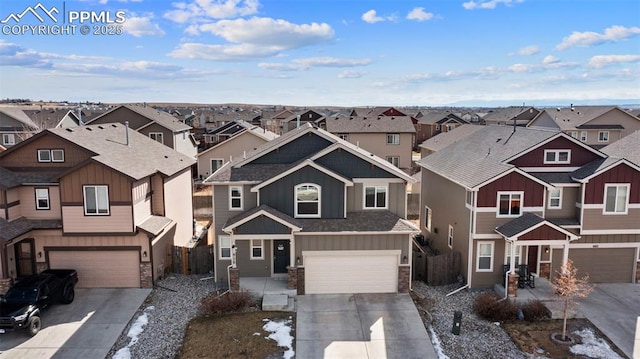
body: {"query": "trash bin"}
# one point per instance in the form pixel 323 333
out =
pixel 457 321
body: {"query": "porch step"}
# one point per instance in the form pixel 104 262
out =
pixel 278 302
pixel 556 308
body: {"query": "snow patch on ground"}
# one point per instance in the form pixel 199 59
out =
pixel 281 333
pixel 593 347
pixel 436 344
pixel 136 329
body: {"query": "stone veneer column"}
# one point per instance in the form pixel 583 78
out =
pixel 512 287
pixel 5 284
pixel 292 277
pixel 545 270
pixel 403 279
pixel 234 279
pixel 146 276
pixel 300 285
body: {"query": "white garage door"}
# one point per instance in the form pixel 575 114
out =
pixel 100 269
pixel 351 272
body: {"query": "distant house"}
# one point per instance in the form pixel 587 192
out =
pixel 597 126
pixel 224 132
pixel 108 202
pixel 510 116
pixel 54 118
pixel 15 126
pixel 433 123
pixel 157 125
pixel 301 118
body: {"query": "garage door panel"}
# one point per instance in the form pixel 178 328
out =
pixel 100 269
pixel 604 265
pixel 344 272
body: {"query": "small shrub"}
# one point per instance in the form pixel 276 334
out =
pixel 491 307
pixel 535 311
pixel 227 302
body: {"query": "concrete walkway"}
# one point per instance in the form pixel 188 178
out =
pixel 360 326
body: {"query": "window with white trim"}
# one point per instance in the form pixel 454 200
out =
pixel 603 136
pixel 42 198
pixel 375 197
pixel 516 256
pixel 428 213
pixel 616 198
pixel 256 249
pixel 224 243
pixel 96 200
pixel 573 134
pixel 307 201
pixel 44 156
pixel 557 156
pixel 8 139
pixel 157 136
pixel 555 198
pixel 235 198
pixel 215 164
pixel 450 237
pixel 394 160
pixel 393 138
pixel 583 136
pixel 484 261
pixel 469 198
pixel 57 155
pixel 510 204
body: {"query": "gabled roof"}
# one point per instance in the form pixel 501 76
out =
pixel 577 117
pixel 50 118
pixel 10 179
pixel 20 116
pixel 359 222
pixel 507 114
pixel 442 140
pixel 230 128
pixel 22 225
pixel 436 117
pixel 526 223
pixel 163 119
pixel 304 163
pixel 259 132
pixel 262 210
pixel 370 124
pixel 627 147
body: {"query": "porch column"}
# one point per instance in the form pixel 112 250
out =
pixel 565 253
pixel 292 252
pixel 512 268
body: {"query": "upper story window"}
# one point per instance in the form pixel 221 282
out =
pixel 8 139
pixel 42 198
pixel 375 197
pixel 555 198
pixel 157 136
pixel 557 156
pixel 235 198
pixel 224 244
pixel 573 134
pixel 603 136
pixel 307 201
pixel 51 155
pixel 583 136
pixel 394 160
pixel 215 164
pixel 510 204
pixel 616 198
pixel 393 138
pixel 96 200
pixel 344 136
pixel 469 198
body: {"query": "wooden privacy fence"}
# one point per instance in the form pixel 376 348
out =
pixel 436 270
pixel 197 260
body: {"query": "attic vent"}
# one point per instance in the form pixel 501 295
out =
pixel 499 139
pixel 165 156
pixel 70 129
pixel 114 125
pixel 89 129
pixel 100 127
pixel 393 118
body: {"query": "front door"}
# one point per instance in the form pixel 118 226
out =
pixel 25 258
pixel 532 259
pixel 280 256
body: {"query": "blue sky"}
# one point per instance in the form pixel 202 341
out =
pixel 329 52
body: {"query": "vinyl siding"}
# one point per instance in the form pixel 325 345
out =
pixel 27 156
pixel 141 203
pixel 352 242
pixel 488 279
pixel 396 198
pixel 94 174
pixel 234 147
pixel 253 267
pixel 28 203
pixel 570 195
pixel 579 155
pixel 301 147
pixel 178 196
pixel 594 220
pixel 486 222
pixel 118 221
pixel 376 143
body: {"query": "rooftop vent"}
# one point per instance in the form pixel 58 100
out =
pixel 70 129
pixel 100 127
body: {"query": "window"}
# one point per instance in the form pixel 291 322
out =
pixel 509 204
pixel 307 197
pixel 557 156
pixel 450 127
pixel 555 198
pixel 573 134
pixel 603 136
pixel 235 198
pixel 57 155
pixel 616 197
pixel 225 247
pixel 393 138
pixel 157 136
pixel 583 136
pixel 344 136
pixel 375 197
pixel 484 262
pixel 256 249
pixel 215 164
pixel 42 198
pixel 469 198
pixel 394 160
pixel 450 238
pixel 8 139
pixel 96 200
pixel 508 254
pixel 44 156
pixel 427 218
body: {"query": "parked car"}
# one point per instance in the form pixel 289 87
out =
pixel 22 304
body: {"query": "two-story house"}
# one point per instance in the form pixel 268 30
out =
pixel 310 207
pixel 100 199
pixel 15 126
pixel 521 115
pixel 157 125
pixel 433 123
pixel 507 195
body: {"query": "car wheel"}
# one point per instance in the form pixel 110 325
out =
pixel 34 325
pixel 68 294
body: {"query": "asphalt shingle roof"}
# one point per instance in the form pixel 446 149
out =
pixel 267 209
pixel 366 221
pixel 569 118
pixel 22 225
pixel 444 139
pixel 522 223
pixel 627 147
pixel 370 124
pixel 10 179
pixel 155 224
pixel 162 118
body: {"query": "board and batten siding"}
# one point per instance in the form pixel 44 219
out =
pixel 301 147
pixel 352 242
pixel 533 191
pixel 119 220
pixel 580 156
pixel 71 185
pixel 396 197
pixel 27 156
pixel 178 196
pixel 27 196
pixel 352 166
pixel 622 173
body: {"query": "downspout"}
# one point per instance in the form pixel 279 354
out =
pixel 511 268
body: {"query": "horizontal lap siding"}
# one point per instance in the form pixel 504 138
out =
pixel 594 220
pixel 569 199
pixel 28 203
pixel 609 238
pixel 253 267
pixel 352 242
pixel 120 220
pixel 488 279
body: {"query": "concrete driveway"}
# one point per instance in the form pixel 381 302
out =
pixel 86 328
pixel 614 309
pixel 360 326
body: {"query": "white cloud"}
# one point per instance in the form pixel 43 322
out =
pixel 419 14
pixel 371 17
pixel 224 52
pixel 522 68
pixel 549 59
pixel 488 4
pixel 142 26
pixel 307 63
pixel 589 38
pixel 350 74
pixel 607 60
pixel 203 10
pixel 529 50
